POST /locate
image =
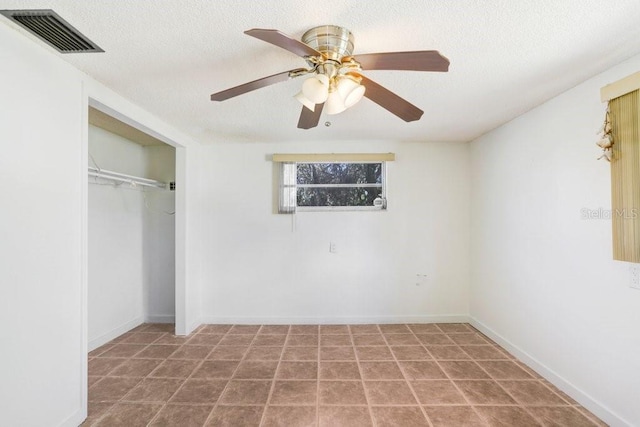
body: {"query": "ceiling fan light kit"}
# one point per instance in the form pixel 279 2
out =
pixel 305 101
pixel 336 76
pixel 316 89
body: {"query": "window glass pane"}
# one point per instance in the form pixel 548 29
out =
pixel 339 173
pixel 350 196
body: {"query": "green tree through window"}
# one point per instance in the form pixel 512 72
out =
pixel 339 184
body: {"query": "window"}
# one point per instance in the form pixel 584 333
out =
pixel 624 97
pixel 335 185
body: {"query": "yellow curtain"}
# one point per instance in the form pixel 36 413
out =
pixel 625 177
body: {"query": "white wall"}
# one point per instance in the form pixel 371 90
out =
pixel 258 269
pixel 40 237
pixel 159 237
pixel 191 240
pixel 117 265
pixel 43 247
pixel 542 278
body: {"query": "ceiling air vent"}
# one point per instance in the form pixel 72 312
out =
pixel 52 29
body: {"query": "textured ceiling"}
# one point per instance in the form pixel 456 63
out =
pixel 506 57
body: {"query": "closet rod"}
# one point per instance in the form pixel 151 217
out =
pixel 121 177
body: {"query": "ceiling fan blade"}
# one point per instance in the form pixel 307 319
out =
pixel 309 119
pixel 282 40
pixel 423 60
pixel 390 101
pixel 248 87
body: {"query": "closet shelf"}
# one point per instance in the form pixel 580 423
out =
pixel 124 178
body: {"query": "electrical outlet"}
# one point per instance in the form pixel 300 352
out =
pixel 332 247
pixel 635 277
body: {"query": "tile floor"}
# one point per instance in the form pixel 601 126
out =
pixel 333 375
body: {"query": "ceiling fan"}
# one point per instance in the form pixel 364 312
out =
pixel 336 81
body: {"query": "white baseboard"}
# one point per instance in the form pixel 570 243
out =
pixel 160 318
pixel 331 320
pixel 75 419
pixel 116 332
pixel 553 377
pixel 194 325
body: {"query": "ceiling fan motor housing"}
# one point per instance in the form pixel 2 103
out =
pixel 331 40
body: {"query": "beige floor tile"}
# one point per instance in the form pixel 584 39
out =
pixel 339 371
pixel 256 370
pixel 401 339
pixel 101 366
pixel 389 393
pixel 205 339
pixel 182 415
pixel 334 329
pixel 294 393
pixel 504 370
pixel 373 353
pixel 434 339
pixel 380 371
pixel 290 416
pixel 129 415
pixel 111 389
pixel 216 369
pixel 394 329
pixel 532 393
pixel 364 329
pixel 484 352
pixel 199 391
pixel 509 416
pixel 450 416
pixel 424 328
pixel 157 351
pixel 215 329
pixel 422 370
pixel 302 340
pixel 274 330
pixel 561 416
pixel 337 353
pixel 437 392
pixel 236 416
pixel 175 369
pixel 230 352
pixel 304 329
pixel 369 339
pixel 244 329
pixel 404 416
pixel 246 393
pixel 192 352
pixel 135 368
pixel 345 416
pixel 269 340
pixel 157 390
pixel 297 371
pixel 335 340
pixel 410 352
pixel 463 370
pixel 447 352
pixel 263 353
pixel 237 339
pixel 484 392
pixel 342 393
pixel 300 353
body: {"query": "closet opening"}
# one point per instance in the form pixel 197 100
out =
pixel 131 230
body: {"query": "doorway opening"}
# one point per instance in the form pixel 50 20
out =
pixel 131 245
